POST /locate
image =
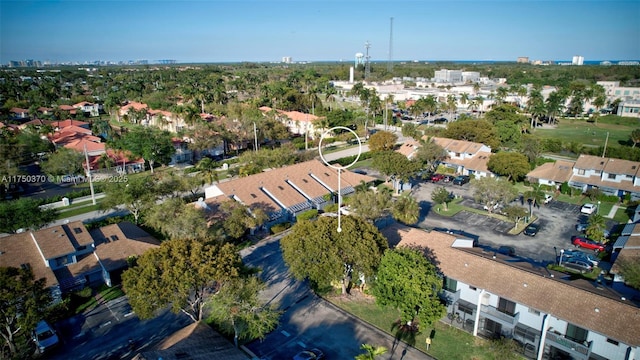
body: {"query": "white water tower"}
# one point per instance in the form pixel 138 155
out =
pixel 359 59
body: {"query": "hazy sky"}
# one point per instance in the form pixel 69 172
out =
pixel 313 30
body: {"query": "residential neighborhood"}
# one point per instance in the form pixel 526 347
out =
pixel 203 207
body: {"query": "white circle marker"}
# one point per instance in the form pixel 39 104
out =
pixel 341 167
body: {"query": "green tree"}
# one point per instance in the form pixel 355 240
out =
pixel 237 310
pixel 534 197
pixel 441 195
pixel 429 154
pixel 597 225
pixel 480 131
pixel 177 220
pixel 317 251
pixel 236 219
pixel 370 205
pixel 371 352
pixel 515 213
pixel 149 143
pixel 395 166
pixel 181 274
pixel 635 137
pixel 489 191
pixel 406 209
pixel 629 269
pixel 64 162
pixel 23 302
pixel 408 282
pixel 382 141
pixel 24 213
pixel 510 164
pixel 137 195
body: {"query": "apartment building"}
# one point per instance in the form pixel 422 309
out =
pixel 550 315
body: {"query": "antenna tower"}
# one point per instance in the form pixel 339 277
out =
pixel 390 63
pixel 367 63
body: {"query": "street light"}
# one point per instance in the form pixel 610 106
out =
pixel 561 253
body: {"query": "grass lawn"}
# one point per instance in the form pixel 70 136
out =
pixel 447 342
pixel 87 299
pixel 590 134
pixel 77 211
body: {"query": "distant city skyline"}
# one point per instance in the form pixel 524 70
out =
pixel 317 30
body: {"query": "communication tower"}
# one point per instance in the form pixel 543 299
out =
pixel 390 63
pixel 367 63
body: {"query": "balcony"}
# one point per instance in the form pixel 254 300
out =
pixel 566 344
pixel 498 316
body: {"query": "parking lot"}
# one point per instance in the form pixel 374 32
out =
pixel 557 223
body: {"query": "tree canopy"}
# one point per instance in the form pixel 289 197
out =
pixel 64 162
pixel 407 281
pixel 510 164
pixel 181 274
pixel 23 302
pixel 490 191
pixel 382 141
pixel 395 166
pixel 178 220
pixel 149 143
pixel 480 131
pixel 24 213
pixel 315 250
pixel 138 194
pixel 237 310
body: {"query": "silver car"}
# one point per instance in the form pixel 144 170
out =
pixel 593 260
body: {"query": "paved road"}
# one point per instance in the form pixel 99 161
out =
pixel 309 321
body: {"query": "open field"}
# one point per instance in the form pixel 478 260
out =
pixel 590 133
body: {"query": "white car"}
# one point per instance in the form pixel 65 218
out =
pixel 547 198
pixel 588 209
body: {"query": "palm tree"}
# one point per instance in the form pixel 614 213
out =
pixel 554 105
pixel 535 196
pixel 451 105
pixel 464 98
pixel 476 88
pixel 371 352
pixel 597 224
pixel 535 106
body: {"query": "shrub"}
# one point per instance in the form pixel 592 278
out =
pixel 278 228
pixel 307 215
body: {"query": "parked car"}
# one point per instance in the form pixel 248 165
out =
pixel 436 177
pixel 313 354
pixel 577 263
pixel 583 242
pixel 493 207
pixel 448 178
pixel 507 250
pixel 588 208
pixel 590 258
pixel 547 198
pixel 461 180
pixel 532 229
pixel 45 337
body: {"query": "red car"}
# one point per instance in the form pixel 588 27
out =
pixel 583 242
pixel 436 177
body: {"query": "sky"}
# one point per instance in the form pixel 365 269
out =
pixel 317 30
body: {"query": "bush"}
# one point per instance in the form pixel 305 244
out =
pixel 308 215
pixel 278 228
pixel 608 198
pixel 349 159
pixel 331 208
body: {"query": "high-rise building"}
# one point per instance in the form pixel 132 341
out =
pixel 523 60
pixel 578 60
pixel 287 59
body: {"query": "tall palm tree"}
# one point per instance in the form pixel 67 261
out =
pixel 554 105
pixel 535 106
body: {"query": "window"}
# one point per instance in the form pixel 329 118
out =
pixel 576 333
pixel 506 306
pixel 534 311
pixel 612 176
pixel 526 333
pixel 492 327
pixel 77 230
pixel 611 341
pixel 450 284
pixel 580 171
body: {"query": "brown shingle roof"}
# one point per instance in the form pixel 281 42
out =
pixel 558 171
pixel 57 241
pixel 19 249
pixel 271 190
pixel 614 319
pixel 116 242
pixel 197 341
pixel 590 162
pixel 622 167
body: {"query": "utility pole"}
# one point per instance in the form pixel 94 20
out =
pixel 255 137
pixel 604 151
pixel 93 194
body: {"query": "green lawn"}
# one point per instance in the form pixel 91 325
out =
pixel 590 134
pixel 447 342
